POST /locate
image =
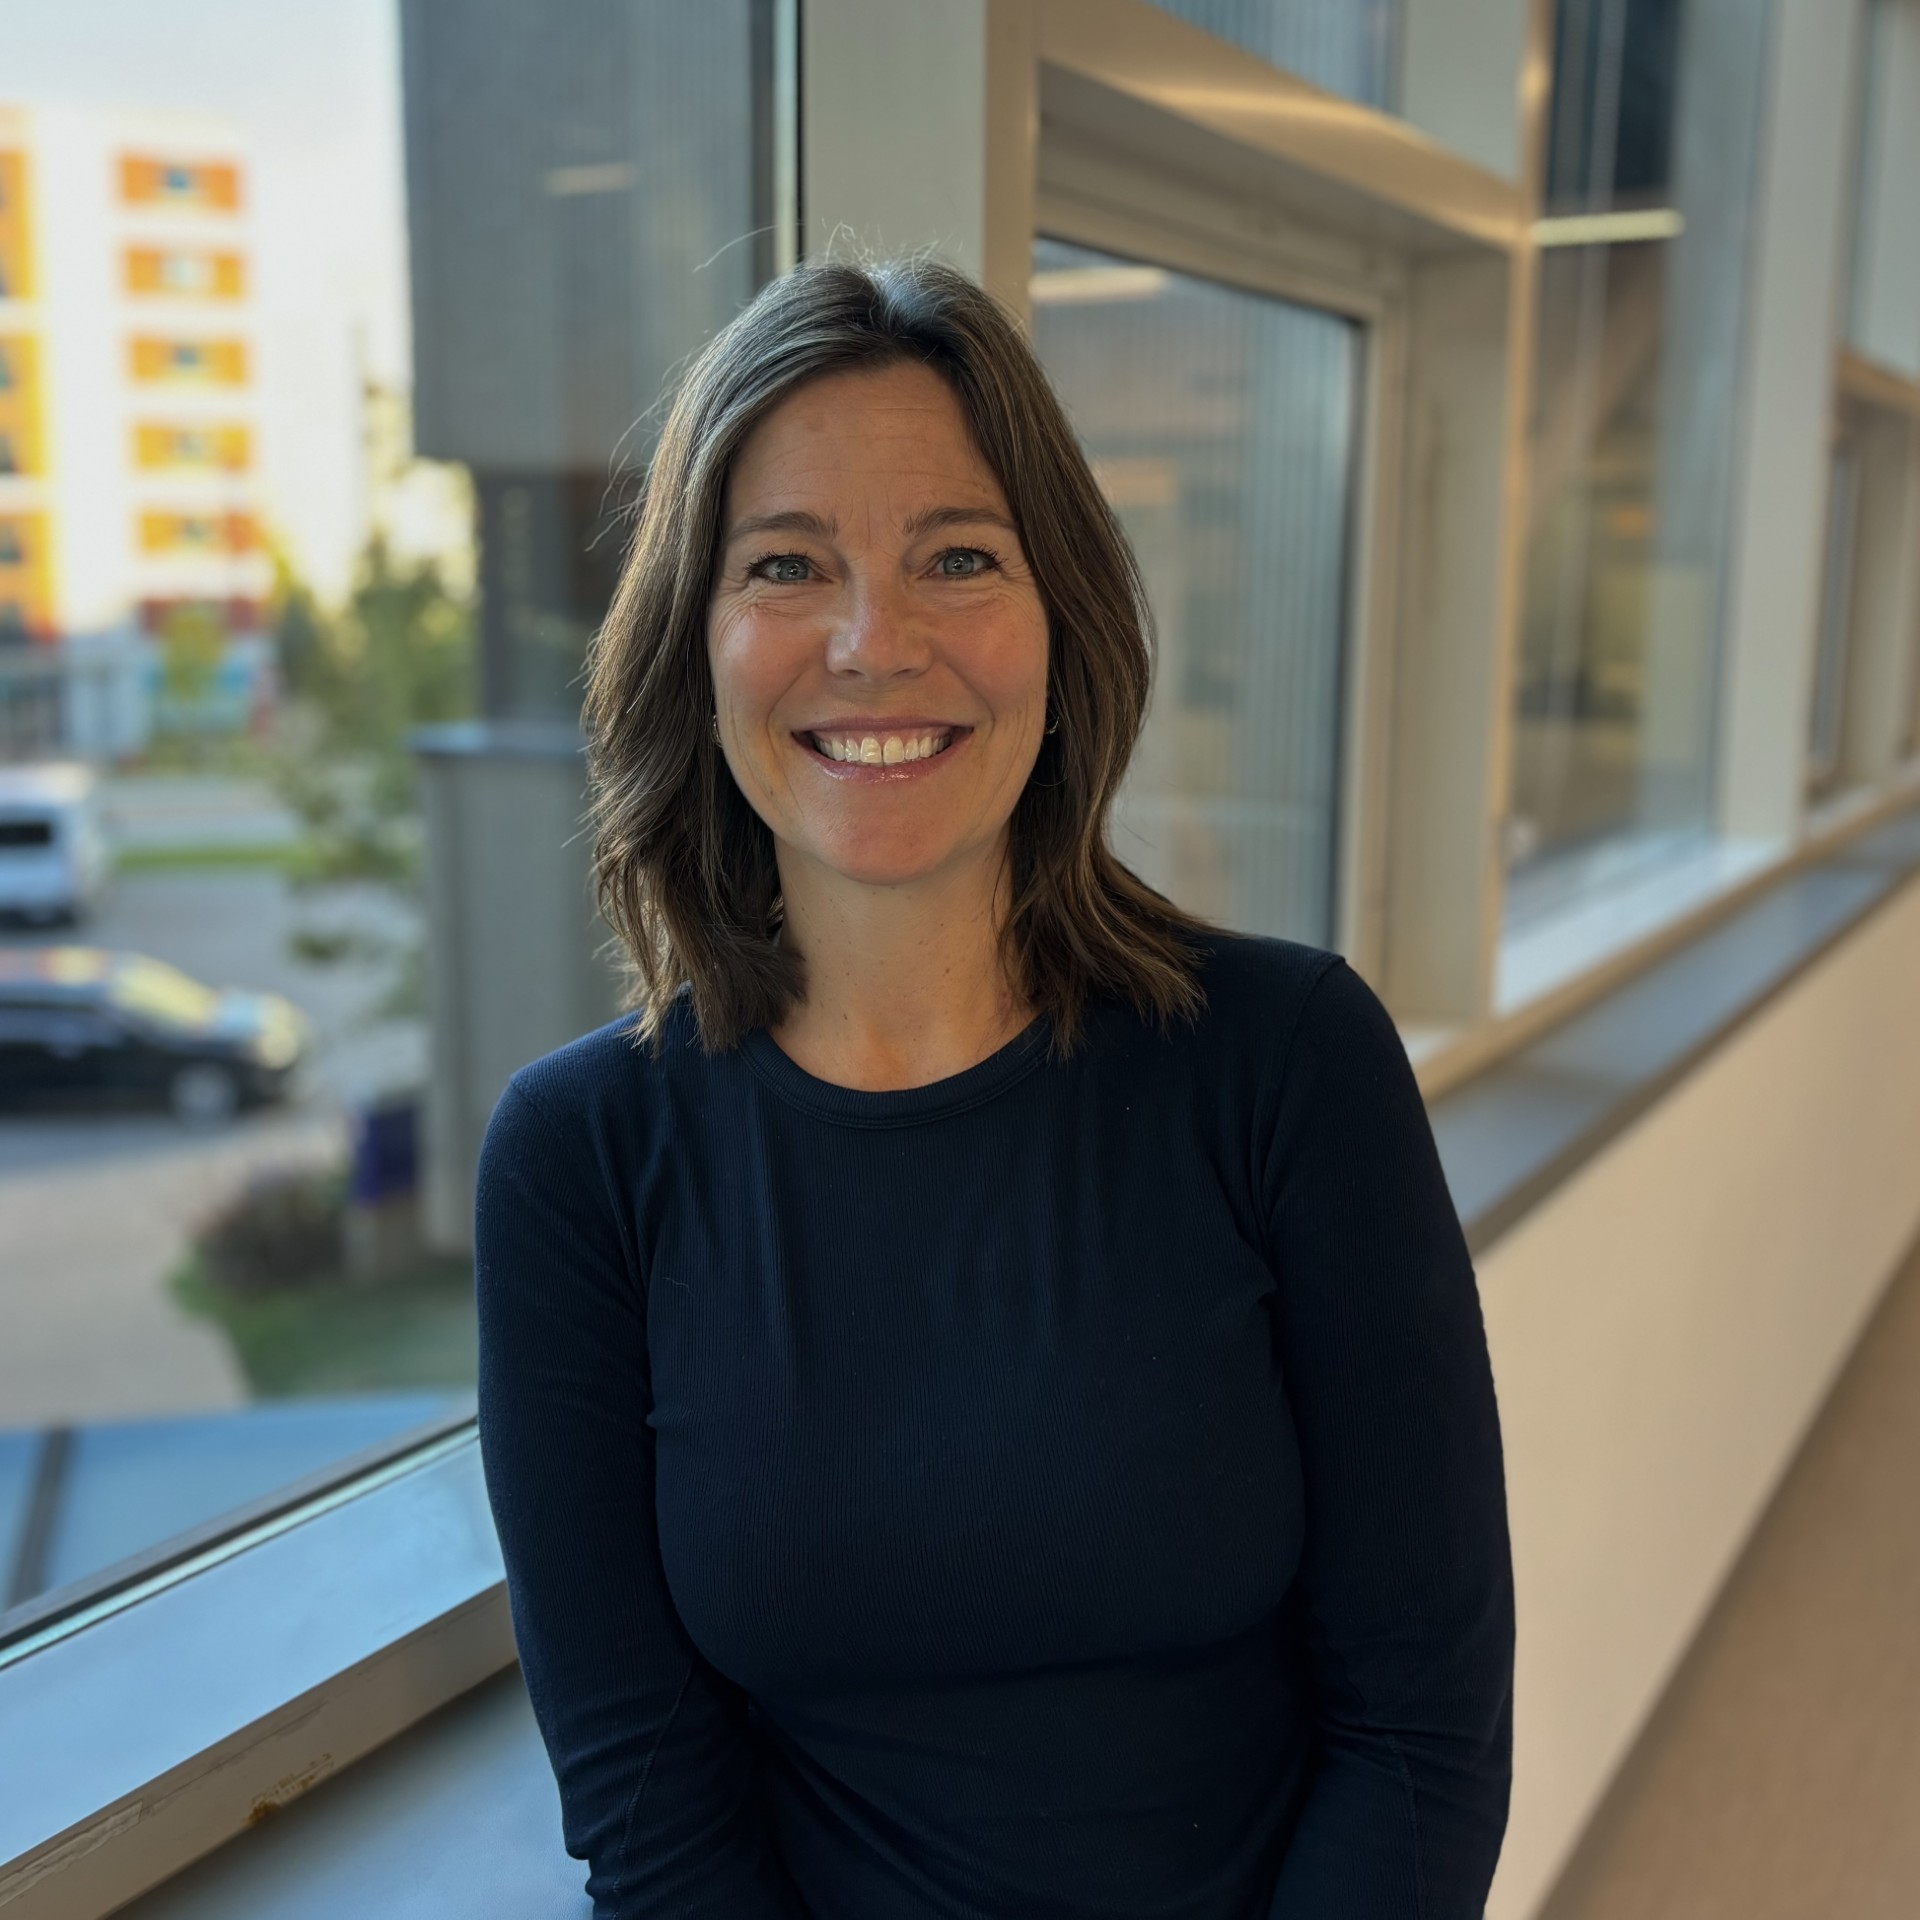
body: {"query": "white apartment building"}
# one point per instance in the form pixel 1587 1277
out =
pixel 131 527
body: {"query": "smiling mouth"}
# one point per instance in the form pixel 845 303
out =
pixel 876 749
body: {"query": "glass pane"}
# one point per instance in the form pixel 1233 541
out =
pixel 1635 433
pixel 1885 37
pixel 347 341
pixel 586 203
pixel 1222 427
pixel 1348 47
pixel 1827 714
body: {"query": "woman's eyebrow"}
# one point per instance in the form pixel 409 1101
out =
pixel 930 519
pixel 815 526
pixel 794 520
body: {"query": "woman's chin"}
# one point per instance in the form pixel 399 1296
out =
pixel 870 865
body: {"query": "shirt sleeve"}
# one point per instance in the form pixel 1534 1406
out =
pixel 1406 1576
pixel 651 1748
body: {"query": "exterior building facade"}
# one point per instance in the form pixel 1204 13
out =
pixel 133 562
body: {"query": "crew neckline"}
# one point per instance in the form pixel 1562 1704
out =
pixel 901 1106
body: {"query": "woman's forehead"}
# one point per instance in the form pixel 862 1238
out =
pixel 894 434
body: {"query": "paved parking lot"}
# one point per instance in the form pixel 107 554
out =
pixel 95 1211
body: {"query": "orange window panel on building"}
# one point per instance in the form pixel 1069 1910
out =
pixel 161 448
pixel 191 273
pixel 218 363
pixel 236 615
pixel 16 251
pixel 25 578
pixel 199 533
pixel 19 405
pixel 148 180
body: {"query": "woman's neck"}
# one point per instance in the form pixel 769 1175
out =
pixel 905 985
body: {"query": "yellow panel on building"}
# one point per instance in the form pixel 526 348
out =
pixel 198 533
pixel 190 273
pixel 20 448
pixel 219 363
pixel 16 237
pixel 164 448
pixel 147 180
pixel 26 575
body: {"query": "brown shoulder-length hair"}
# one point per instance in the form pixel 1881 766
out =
pixel 683 868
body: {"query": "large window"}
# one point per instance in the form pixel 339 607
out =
pixel 457 248
pixel 1223 426
pixel 1635 434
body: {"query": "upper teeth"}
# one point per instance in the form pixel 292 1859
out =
pixel 881 749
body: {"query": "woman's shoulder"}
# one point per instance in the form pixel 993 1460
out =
pixel 610 1081
pixel 1255 984
pixel 1278 1004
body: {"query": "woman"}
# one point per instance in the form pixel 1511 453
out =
pixel 982 1389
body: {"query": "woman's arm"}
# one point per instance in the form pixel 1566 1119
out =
pixel 1405 1574
pixel 650 1746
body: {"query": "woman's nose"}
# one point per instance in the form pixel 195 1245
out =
pixel 880 634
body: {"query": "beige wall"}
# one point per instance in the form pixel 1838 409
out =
pixel 1663 1331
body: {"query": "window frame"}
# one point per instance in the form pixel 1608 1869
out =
pixel 1249 176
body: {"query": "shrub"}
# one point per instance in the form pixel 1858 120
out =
pixel 285 1228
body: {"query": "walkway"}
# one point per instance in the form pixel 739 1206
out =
pixel 1780 1779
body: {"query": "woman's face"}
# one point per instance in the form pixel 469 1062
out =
pixel 878 644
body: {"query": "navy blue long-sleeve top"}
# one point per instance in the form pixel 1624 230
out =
pixel 1069 1490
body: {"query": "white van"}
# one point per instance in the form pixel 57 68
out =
pixel 53 850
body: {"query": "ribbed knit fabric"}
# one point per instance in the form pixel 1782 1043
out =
pixel 1067 1491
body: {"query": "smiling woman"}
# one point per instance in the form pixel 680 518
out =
pixel 848 521
pixel 982 1389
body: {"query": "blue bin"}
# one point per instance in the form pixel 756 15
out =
pixel 386 1152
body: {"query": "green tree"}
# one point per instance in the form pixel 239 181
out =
pixel 193 641
pixel 398 655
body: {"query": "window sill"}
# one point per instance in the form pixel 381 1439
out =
pixel 1519 1124
pixel 142 1737
pixel 1546 951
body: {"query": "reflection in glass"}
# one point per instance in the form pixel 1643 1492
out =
pixel 1634 432
pixel 588 193
pixel 1348 47
pixel 1222 426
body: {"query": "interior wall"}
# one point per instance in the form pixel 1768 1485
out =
pixel 894 97
pixel 1663 1330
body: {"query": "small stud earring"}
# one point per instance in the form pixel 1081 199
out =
pixel 714 722
pixel 1053 719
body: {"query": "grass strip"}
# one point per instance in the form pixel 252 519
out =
pixel 340 1334
pixel 280 855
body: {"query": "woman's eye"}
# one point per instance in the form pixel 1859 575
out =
pixel 784 569
pixel 962 563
